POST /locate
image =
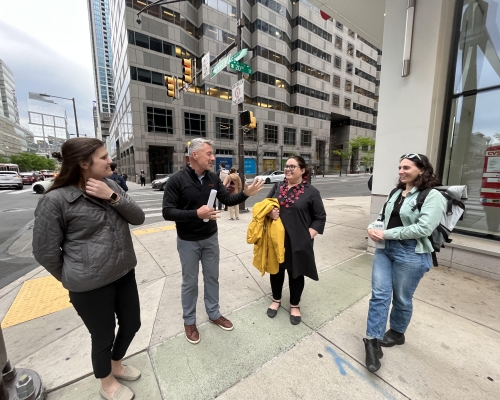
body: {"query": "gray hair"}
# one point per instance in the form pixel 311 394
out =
pixel 197 144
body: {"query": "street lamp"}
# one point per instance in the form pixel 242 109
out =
pixel 74 108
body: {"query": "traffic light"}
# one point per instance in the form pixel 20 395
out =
pixel 247 119
pixel 171 84
pixel 186 70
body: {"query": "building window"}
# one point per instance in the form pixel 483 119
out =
pixel 338 42
pixel 338 25
pixel 224 128
pixel 350 49
pixel 348 68
pixel 336 81
pixel 347 103
pixel 160 120
pixel 195 125
pixel 348 86
pixel 143 75
pixel 35 118
pixel 336 100
pixel 350 33
pixel 306 138
pixel 270 134
pixel 337 63
pixel 289 136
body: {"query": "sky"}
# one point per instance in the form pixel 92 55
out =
pixel 46 44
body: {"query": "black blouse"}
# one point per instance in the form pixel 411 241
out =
pixel 395 220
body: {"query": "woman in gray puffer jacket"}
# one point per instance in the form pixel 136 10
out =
pixel 82 237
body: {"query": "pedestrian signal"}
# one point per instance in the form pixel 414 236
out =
pixel 186 64
pixel 253 121
pixel 171 84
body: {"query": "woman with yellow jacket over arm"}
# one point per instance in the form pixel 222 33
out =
pixel 303 216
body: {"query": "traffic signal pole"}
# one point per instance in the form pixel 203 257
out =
pixel 241 148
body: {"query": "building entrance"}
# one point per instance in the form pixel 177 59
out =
pixel 161 160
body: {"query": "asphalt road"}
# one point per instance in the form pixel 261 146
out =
pixel 17 208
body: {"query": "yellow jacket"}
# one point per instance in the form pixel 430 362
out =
pixel 268 237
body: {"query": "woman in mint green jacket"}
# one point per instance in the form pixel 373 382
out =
pixel 403 255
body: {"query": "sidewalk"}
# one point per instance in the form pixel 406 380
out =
pixel 452 349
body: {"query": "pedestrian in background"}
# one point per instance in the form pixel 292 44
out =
pixel 303 215
pixel 405 258
pixel 81 236
pixel 142 177
pixel 222 173
pixel 234 211
pixel 117 178
pixel 185 202
pixel 125 177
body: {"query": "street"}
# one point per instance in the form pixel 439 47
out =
pixel 17 208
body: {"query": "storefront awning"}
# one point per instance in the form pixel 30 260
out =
pixel 365 17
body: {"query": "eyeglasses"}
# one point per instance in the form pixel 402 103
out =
pixel 410 156
pixel 291 167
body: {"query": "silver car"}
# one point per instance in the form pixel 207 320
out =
pixel 11 179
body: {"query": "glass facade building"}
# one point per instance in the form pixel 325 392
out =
pixel 102 57
pixel 48 124
pixel 473 139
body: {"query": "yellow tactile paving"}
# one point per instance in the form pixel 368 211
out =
pixel 37 297
pixel 139 232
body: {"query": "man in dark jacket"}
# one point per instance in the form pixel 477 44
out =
pixel 185 202
pixel 118 178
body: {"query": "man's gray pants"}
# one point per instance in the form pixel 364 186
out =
pixel 191 253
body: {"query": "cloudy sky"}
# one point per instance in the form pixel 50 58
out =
pixel 46 44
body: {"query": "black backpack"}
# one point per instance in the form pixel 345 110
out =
pixel 441 234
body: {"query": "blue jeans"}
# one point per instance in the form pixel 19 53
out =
pixel 397 270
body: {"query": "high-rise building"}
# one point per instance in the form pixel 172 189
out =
pixel 102 58
pixel 13 137
pixel 48 123
pixel 313 86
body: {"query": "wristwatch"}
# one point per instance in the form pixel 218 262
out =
pixel 113 197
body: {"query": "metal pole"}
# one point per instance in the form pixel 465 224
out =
pixel 76 121
pixel 241 149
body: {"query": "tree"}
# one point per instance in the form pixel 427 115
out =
pixel 357 145
pixel 4 159
pixel 32 162
pixel 343 155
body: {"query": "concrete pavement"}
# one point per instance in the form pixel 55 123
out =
pixel 452 349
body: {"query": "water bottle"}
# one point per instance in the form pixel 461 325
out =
pixel 379 225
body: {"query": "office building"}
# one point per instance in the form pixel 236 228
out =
pixel 14 138
pixel 48 124
pixel 313 86
pixel 446 108
pixel 102 58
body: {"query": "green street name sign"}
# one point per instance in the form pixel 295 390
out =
pixel 240 54
pixel 241 67
pixel 220 66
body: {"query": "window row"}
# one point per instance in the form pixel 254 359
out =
pixel 365 58
pixel 301 21
pixel 270 80
pixel 336 101
pixel 361 124
pixel 273 5
pixel 364 75
pixel 365 109
pixel 306 90
pixel 270 29
pixel 306 69
pixel 160 46
pixel 364 92
pixel 271 56
pixel 379 52
pixel 299 44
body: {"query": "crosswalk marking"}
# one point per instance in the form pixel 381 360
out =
pixel 154 215
pixel 21 192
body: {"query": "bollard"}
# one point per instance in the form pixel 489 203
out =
pixel 27 387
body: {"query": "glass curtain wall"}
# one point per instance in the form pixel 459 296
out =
pixel 473 141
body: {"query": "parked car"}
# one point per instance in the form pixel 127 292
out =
pixel 31 177
pixel 269 177
pixel 11 179
pixel 47 173
pixel 41 187
pixel 159 183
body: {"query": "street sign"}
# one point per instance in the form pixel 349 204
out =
pixel 240 54
pixel 241 67
pixel 238 94
pixel 220 65
pixel 205 66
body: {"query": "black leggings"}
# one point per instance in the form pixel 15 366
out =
pixel 296 286
pixel 143 181
pixel 97 308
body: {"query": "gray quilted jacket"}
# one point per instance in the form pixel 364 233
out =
pixel 82 241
